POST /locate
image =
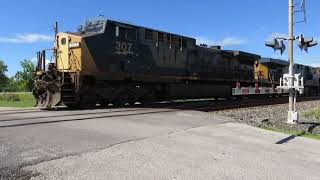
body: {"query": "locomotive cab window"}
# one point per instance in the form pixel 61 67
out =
pixel 63 41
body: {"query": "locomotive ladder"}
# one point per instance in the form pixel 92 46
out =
pixel 68 90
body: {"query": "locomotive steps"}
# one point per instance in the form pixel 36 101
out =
pixel 68 90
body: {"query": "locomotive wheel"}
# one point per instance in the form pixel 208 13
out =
pixel 72 106
pixel 117 103
pixel 104 103
pixel 86 102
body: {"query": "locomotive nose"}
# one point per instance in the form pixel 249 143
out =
pixel 47 86
pixel 68 52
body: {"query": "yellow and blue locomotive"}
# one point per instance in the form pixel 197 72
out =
pixel 108 61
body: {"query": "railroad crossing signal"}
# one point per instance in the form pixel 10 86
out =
pixel 276 45
pixel 305 43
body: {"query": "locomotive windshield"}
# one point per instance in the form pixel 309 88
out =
pixel 96 26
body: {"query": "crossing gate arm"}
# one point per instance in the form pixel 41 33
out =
pixel 243 91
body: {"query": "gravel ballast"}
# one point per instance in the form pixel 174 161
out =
pixel 275 116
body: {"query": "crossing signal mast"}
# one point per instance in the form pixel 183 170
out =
pixel 292 82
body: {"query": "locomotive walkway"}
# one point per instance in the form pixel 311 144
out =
pixel 147 143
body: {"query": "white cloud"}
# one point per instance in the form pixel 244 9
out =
pixel 315 64
pixel 34 60
pixel 228 41
pixel 26 38
pixel 276 34
pixel 277 55
pixel 203 40
pixel 231 41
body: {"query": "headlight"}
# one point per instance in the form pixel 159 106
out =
pixel 74 45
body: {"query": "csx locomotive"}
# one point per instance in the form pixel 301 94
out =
pixel 108 61
pixel 269 71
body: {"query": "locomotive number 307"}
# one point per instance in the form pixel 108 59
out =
pixel 124 47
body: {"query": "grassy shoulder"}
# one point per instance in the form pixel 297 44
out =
pixel 17 99
pixel 315 113
pixel 293 132
pixel 308 114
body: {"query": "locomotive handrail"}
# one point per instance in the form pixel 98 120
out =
pixel 75 60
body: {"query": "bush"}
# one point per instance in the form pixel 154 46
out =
pixel 9 97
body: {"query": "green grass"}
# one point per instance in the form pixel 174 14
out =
pixel 312 114
pixel 294 132
pixel 25 99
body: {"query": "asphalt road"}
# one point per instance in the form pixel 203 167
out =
pixel 144 143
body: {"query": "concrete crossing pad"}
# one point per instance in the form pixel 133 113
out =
pixel 148 144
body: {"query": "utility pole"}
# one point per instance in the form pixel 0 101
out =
pixel 291 38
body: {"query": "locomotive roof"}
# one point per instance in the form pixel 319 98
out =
pixel 144 27
pixel 123 23
pixel 303 65
pixel 274 61
pixel 281 62
pixel 245 54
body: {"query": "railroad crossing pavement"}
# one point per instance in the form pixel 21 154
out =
pixel 147 144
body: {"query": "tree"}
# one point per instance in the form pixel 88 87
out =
pixel 3 77
pixel 25 77
pixel 14 85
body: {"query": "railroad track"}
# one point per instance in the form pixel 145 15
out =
pixel 15 118
pixel 69 115
pixel 18 110
pixel 78 117
pixel 247 103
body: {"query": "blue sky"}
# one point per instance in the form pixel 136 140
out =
pixel 27 26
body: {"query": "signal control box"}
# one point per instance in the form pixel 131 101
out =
pixel 298 82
